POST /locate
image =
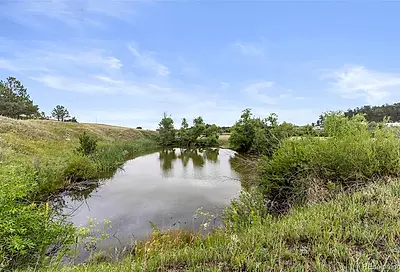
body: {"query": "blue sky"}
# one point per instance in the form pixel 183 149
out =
pixel 126 62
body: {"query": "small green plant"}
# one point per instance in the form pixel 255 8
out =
pixel 88 144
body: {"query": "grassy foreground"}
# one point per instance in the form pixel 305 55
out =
pixel 354 232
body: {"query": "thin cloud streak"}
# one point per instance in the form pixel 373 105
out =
pixel 352 82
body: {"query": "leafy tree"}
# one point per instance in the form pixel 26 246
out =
pixel 197 129
pixel 183 134
pixel 243 132
pixel 200 134
pixel 210 136
pixel 255 135
pixel 184 124
pixel 166 131
pixel 73 120
pixel 288 130
pixel 15 101
pixel 60 112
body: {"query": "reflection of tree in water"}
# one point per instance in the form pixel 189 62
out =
pixel 194 154
pixel 212 155
pixel 74 193
pixel 198 157
pixel 166 157
pixel 184 158
pixel 246 168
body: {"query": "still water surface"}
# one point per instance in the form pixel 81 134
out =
pixel 166 188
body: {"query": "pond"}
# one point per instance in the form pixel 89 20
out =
pixel 166 188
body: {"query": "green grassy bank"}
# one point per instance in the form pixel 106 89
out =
pixel 38 160
pixel 50 148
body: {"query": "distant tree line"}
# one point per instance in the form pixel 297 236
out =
pixel 199 134
pixel 225 130
pixel 377 113
pixel 16 103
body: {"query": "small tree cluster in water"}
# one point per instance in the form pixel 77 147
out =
pixel 198 135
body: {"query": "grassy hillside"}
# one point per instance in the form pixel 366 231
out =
pixel 46 139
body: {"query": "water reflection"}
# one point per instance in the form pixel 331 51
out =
pixel 212 155
pixel 246 168
pixel 197 157
pixel 166 157
pixel 166 188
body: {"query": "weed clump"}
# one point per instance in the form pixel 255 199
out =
pixel 87 144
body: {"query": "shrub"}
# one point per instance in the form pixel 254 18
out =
pixel 350 156
pixel 27 230
pixel 88 144
pixel 80 168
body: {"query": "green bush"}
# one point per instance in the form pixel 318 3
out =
pixel 80 168
pixel 310 168
pixel 88 144
pixel 28 231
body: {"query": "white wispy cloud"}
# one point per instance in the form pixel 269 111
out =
pixel 96 58
pixel 146 61
pixel 258 91
pixel 90 85
pixel 359 82
pixel 73 13
pixel 46 57
pixel 251 49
